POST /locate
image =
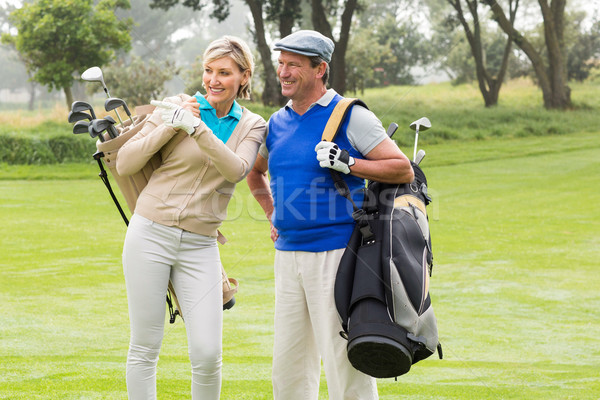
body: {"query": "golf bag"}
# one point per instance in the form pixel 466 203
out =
pixel 132 186
pixel 382 284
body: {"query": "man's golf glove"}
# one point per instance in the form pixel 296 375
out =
pixel 331 156
pixel 177 117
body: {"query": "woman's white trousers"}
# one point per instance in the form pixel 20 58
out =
pixel 152 254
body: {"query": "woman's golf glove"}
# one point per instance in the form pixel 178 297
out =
pixel 177 117
pixel 331 156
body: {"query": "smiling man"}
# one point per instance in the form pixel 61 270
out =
pixel 310 222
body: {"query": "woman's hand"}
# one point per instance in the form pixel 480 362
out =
pixel 176 116
pixel 193 106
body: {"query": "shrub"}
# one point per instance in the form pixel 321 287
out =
pixel 33 150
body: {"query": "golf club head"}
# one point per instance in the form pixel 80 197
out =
pixel 392 129
pixel 94 131
pixel 420 156
pixel 114 102
pixel 79 106
pixel 106 124
pixel 81 127
pixel 75 116
pixel 421 124
pixel 94 74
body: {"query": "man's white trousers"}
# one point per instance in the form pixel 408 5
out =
pixel 307 331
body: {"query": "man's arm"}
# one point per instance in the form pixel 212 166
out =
pixel 385 163
pixel 258 182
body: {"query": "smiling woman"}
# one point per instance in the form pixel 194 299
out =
pixel 206 144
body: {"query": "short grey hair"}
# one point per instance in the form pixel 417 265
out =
pixel 315 61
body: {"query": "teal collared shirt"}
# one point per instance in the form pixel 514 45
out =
pixel 221 127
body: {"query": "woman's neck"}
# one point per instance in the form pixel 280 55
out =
pixel 222 109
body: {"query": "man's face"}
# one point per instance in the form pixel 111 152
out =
pixel 298 77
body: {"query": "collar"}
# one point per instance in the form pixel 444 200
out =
pixel 323 101
pixel 235 112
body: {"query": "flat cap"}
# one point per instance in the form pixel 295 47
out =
pixel 307 43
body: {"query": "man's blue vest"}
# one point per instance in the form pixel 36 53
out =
pixel 309 213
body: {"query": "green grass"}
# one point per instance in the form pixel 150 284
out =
pixel 516 231
pixel 516 235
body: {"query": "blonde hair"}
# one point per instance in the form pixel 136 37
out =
pixel 238 50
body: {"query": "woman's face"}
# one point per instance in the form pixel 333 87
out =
pixel 222 79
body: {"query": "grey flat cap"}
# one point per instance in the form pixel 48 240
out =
pixel 307 43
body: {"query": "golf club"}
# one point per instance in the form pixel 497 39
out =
pixel 94 132
pixel 75 116
pixel 420 156
pixel 81 127
pixel 79 106
pixel 421 124
pixel 94 74
pixel 112 131
pixel 114 102
pixel 105 124
pixel 392 129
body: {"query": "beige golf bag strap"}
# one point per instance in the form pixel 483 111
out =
pixel 132 186
pixel 337 116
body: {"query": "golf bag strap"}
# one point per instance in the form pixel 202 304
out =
pixel 332 128
pixel 337 117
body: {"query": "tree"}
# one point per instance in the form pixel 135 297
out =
pixel 141 80
pixel 153 29
pixel 271 93
pixel 366 61
pixel 489 84
pixel 583 47
pixel 285 13
pixel 282 9
pixel 391 27
pixel 62 38
pixel 551 73
pixel 321 24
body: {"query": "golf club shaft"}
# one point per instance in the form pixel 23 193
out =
pixel 118 117
pixel 112 132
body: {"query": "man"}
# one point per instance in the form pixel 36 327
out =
pixel 310 222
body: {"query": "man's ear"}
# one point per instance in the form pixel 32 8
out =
pixel 321 69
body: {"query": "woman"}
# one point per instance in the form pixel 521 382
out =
pixel 207 144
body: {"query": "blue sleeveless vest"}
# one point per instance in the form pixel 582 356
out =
pixel 309 213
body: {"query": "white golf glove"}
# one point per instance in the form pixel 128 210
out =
pixel 331 156
pixel 177 117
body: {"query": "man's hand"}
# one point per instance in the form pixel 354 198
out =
pixel 177 117
pixel 331 156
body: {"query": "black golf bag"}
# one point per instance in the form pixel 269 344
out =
pixel 382 284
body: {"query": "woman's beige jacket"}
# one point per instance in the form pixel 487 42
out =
pixel 198 173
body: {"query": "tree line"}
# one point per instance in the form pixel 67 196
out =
pixel 377 42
